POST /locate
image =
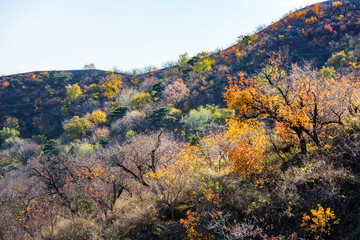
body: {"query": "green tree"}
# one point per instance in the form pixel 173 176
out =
pixel 158 87
pixel 160 118
pixel 118 113
pixel 327 72
pixel 204 66
pixel 197 118
pixel 183 59
pixel 52 147
pixel 220 115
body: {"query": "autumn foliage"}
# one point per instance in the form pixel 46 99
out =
pixel 299 103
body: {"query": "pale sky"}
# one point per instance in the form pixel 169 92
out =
pixel 66 34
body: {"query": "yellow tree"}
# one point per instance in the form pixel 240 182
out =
pixel 77 127
pixel 72 92
pixel 111 85
pixel 172 177
pixel 97 117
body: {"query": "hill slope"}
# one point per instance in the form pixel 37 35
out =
pixel 313 34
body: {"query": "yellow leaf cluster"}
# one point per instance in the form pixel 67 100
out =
pixel 97 117
pixel 321 221
pixel 111 85
pixel 336 3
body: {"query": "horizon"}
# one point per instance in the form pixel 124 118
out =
pixel 63 35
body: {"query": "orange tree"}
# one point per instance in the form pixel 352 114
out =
pixel 300 103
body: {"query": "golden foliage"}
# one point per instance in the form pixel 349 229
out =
pixel 311 20
pixel 72 92
pixel 172 177
pixel 111 85
pixel 249 140
pixel 321 221
pixel 336 3
pixel 97 117
pixel 298 14
pixel 300 102
pixel 77 127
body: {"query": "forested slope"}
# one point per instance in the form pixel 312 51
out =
pixel 257 141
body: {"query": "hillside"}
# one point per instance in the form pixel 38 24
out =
pixel 256 141
pixel 311 34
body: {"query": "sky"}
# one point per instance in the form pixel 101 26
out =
pixel 40 35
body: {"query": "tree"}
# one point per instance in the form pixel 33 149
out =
pixel 99 185
pixel 171 178
pixel 248 146
pixel 205 66
pixel 77 127
pixel 111 85
pixel 7 133
pixel 183 59
pixel 160 117
pixel 52 147
pixel 133 120
pixel 119 112
pixel 338 60
pixel 89 66
pixel 72 92
pixel 299 103
pixel 97 117
pixel 158 87
pixel 176 92
pixel 197 118
pixel 141 100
